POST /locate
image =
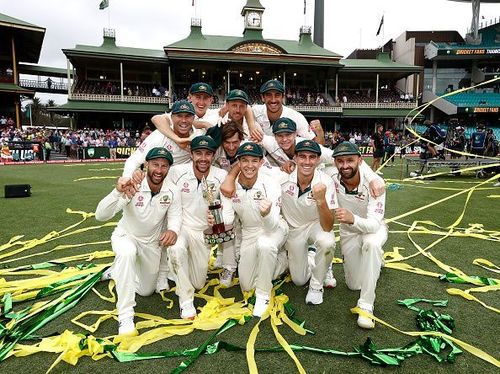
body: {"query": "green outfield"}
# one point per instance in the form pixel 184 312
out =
pixel 477 235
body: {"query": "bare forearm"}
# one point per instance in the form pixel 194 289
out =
pixel 325 216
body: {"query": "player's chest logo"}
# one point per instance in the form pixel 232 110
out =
pixel 170 147
pixel 140 201
pixel 185 187
pixel 309 198
pixel 360 196
pixel 258 195
pixel 236 199
pixel 290 190
pixel 165 201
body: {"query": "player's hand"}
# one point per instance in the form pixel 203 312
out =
pixel 315 125
pixel 265 207
pixel 319 193
pixel 343 215
pixel 256 134
pixel 138 176
pixel 210 218
pixel 377 187
pixel 168 238
pixel 288 167
pixel 228 188
pixel 122 184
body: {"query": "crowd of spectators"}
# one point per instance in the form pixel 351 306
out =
pixel 113 88
pixel 67 142
pixel 385 95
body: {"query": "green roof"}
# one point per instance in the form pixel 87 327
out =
pixel 28 37
pixel 109 49
pixel 108 107
pixel 43 70
pixel 225 48
pixel 383 62
pixel 14 88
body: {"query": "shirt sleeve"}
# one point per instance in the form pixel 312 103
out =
pixel 374 217
pixel 331 195
pixel 273 150
pixel 368 173
pixel 303 129
pixel 174 213
pixel 136 159
pixel 110 205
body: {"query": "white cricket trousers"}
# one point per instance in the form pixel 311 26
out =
pixel 134 270
pixel 363 259
pixel 296 245
pixel 189 258
pixel 261 259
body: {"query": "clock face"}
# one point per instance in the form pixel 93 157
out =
pixel 253 19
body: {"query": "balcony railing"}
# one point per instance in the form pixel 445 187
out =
pixel 56 86
pixel 119 98
pixel 371 105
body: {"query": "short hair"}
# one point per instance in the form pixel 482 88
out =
pixel 229 129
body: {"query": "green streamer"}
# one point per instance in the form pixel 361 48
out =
pixel 453 278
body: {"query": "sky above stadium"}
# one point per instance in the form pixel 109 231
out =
pixel 155 23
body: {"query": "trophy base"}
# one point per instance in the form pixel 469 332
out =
pixel 225 236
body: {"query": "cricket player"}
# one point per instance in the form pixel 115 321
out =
pixel 151 219
pixel 181 120
pixel 308 199
pixel 257 204
pixel 189 256
pixel 363 231
pixel 272 94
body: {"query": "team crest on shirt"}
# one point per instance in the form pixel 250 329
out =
pixel 169 147
pixel 309 197
pixel 140 198
pixel 258 195
pixel 185 187
pixel 360 196
pixel 140 202
pixel 165 200
pixel 236 199
pixel 291 190
pixel 380 208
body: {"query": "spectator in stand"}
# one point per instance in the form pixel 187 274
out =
pixel 3 121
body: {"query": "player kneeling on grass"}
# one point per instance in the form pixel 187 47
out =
pixel 140 233
pixel 363 231
pixel 256 203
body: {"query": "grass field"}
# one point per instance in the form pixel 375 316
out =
pixel 55 189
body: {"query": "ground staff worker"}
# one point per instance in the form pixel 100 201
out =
pixel 190 255
pixel 151 219
pixel 363 231
pixel 257 202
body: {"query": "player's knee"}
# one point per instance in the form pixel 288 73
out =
pixel 125 251
pixel 146 289
pixel 325 241
pixel 176 255
pixel 266 246
pixel 370 247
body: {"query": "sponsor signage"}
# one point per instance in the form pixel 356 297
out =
pixel 476 110
pixel 470 51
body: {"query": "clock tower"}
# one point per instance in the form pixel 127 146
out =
pixel 252 16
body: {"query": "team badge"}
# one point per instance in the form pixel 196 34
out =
pixel 165 200
pixel 258 195
pixel 185 187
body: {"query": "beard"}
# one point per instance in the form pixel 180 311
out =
pixel 348 173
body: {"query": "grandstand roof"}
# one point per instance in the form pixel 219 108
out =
pixel 381 64
pixel 109 50
pixel 43 70
pixel 14 88
pixel 107 107
pixel 28 37
pixel 250 46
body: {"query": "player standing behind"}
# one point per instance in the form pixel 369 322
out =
pixel 140 233
pixel 363 231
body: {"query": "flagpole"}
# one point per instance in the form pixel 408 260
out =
pixel 109 17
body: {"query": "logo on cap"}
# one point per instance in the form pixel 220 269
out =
pixel 184 106
pixel 283 125
pixel 202 87
pixel 248 147
pixel 307 144
pixel 203 142
pixel 271 84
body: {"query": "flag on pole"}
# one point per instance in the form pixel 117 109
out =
pixel 304 7
pixel 192 4
pixel 380 26
pixel 104 4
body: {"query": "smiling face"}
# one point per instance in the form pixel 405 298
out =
pixel 201 102
pixel 157 170
pixel 202 159
pixel 231 145
pixel 306 163
pixel 348 166
pixel 273 100
pixel 236 110
pixel 285 140
pixel 249 166
pixel 183 124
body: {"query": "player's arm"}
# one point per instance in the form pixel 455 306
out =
pixel 374 216
pixel 316 127
pixel 324 211
pixel 270 207
pixel 377 183
pixel 113 203
pixel 138 157
pixel 228 187
pixel 254 128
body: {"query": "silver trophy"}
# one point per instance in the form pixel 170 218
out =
pixel 219 232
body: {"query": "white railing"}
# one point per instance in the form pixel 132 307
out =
pixel 317 108
pixel 28 83
pixel 118 98
pixel 397 105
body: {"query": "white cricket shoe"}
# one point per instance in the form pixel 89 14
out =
pixel 314 296
pixel 365 322
pixel 162 284
pixel 226 278
pixel 330 281
pixel 188 311
pixel 261 305
pixel 106 275
pixel 126 326
pixel 497 184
